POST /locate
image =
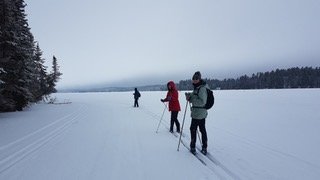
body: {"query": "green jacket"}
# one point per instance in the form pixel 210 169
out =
pixel 199 100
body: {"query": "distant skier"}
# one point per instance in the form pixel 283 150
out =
pixel 198 99
pixel 136 96
pixel 174 105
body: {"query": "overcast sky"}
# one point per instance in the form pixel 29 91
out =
pixel 138 42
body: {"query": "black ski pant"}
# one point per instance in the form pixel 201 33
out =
pixel 174 120
pixel 136 104
pixel 193 129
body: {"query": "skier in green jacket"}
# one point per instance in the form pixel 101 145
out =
pixel 198 99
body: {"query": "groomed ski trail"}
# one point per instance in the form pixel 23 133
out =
pixel 208 161
pixel 15 151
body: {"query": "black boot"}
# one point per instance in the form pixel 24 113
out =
pixel 204 151
pixel 193 150
pixel 178 128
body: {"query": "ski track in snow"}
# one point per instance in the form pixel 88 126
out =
pixel 218 166
pixel 13 152
pixel 208 161
pixel 264 147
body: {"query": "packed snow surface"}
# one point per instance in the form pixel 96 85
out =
pixel 252 134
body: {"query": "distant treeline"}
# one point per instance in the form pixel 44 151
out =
pixel 305 77
pixel 23 77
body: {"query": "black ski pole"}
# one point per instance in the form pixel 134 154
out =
pixel 184 117
pixel 165 107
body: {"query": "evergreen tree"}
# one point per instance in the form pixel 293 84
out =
pixel 54 76
pixel 41 77
pixel 13 55
pixel 23 76
pixel 16 56
pixel 305 77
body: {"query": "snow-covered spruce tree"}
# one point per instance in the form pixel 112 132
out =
pixel 8 41
pixel 54 76
pixel 4 102
pixel 16 56
pixel 40 83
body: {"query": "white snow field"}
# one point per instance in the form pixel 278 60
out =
pixel 253 134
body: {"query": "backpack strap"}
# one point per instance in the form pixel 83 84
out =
pixel 199 89
pixel 199 107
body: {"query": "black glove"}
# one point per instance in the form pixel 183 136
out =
pixel 188 96
pixel 162 100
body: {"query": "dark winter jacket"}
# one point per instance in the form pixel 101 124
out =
pixel 136 94
pixel 172 97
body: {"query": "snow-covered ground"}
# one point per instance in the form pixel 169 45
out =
pixel 253 134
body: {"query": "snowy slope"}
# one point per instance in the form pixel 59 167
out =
pixel 263 134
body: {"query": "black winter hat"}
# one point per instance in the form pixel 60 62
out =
pixel 196 76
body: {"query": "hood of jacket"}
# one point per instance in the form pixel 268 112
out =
pixel 172 84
